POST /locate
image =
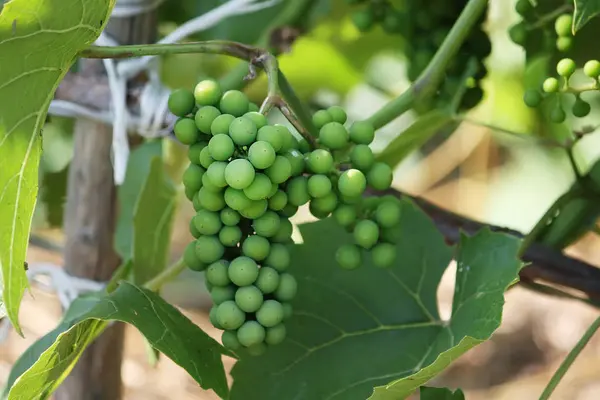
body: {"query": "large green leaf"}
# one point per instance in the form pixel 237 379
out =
pixel 163 325
pixel 415 136
pixel 153 223
pixel 376 333
pixel 585 10
pixel 39 41
pixel 433 393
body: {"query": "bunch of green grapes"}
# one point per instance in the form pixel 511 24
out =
pixel 541 28
pixel 377 12
pixel 554 89
pixel 340 191
pixel 240 172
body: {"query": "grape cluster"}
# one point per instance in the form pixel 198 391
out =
pixel 239 179
pixel 555 88
pixel 377 12
pixel 536 28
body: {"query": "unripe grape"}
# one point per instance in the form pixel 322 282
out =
pixel 256 209
pixel 236 199
pixel 248 298
pixel 230 217
pixel 268 280
pixel 205 117
pixel 207 222
pixel 216 174
pixel 581 108
pixel 181 102
pixel 289 141
pixel 362 157
pixel 243 271
pixel 287 289
pixel 234 102
pixel 366 233
pixel 338 114
pixel 518 33
pixel 270 134
pixel 564 43
pixel 334 135
pixel 253 107
pixel 208 184
pixel 251 333
pixel 216 273
pixel 261 154
pixel 319 186
pixel 221 294
pixel 278 201
pixel 284 234
pixel 213 317
pixel 566 67
pixel 383 255
pixel 558 115
pixel 523 7
pixel 352 183
pixel 324 205
pixel 270 313
pixel 243 131
pixel 592 69
pixel 321 118
pixel 296 160
pixel 256 247
pixel 380 176
pixel 387 214
pixel 230 341
pixel 230 316
pixel 221 147
pixel 210 200
pixel 221 124
pixel 194 152
pixel 563 24
pixel 345 215
pixel 230 236
pixel 186 131
pixel 268 225
pixel 297 191
pixel 207 92
pixel 275 335
pixel 320 161
pixel 239 173
pixel 205 157
pixel 348 256
pixel 532 98
pixel 289 210
pixel 259 189
pixel 362 132
pixel 280 170
pixel 209 249
pixel 193 231
pixel 191 259
pixel 192 177
pixel 279 257
pixel 258 119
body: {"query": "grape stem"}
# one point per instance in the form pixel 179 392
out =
pixel 167 275
pixel 430 79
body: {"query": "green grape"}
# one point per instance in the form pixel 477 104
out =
pixel 230 236
pixel 566 67
pixel 523 7
pixel 236 199
pixel 387 214
pixel 251 334
pixel 325 205
pixel 352 183
pixel 304 146
pixel 221 147
pixel 230 341
pixel 334 135
pixel 194 152
pixel 243 271
pixel 210 201
pixel 230 217
pixel 259 188
pixel 257 349
pixel 363 20
pixel 279 257
pixel 532 98
pixel 256 209
pixel 267 225
pixel 558 115
pixel 383 255
pixel 366 233
pixel 338 114
pixel 205 117
pixel 207 222
pixel 296 160
pixel 261 155
pixel 518 33
pixel 230 316
pixel 193 231
pixel 192 177
pixel 270 134
pixel 563 24
pixel 362 157
pixel 234 102
pixel 319 186
pixel 297 191
pixel 316 212
pixel 216 273
pixel 207 92
pixel 256 247
pixel 186 131
pixel 196 202
pixel 564 43
pixel 280 171
pixel 253 107
pixel 270 313
pixel 213 317
pixel 190 193
pixel 216 174
pixel 348 256
pixel 243 131
pixel 209 249
pixel 287 289
pixel 181 102
pixel 268 280
pixel 320 161
pixel 191 259
pixel 592 69
pixel 380 176
pixel 278 201
pixel 205 157
pixel 289 210
pixel 258 119
pixel 221 124
pixel 288 139
pixel 275 335
pixel 239 174
pixel 249 298
pixel 221 294
pixel 581 108
pixel 345 215
pixel 209 185
pixel 321 118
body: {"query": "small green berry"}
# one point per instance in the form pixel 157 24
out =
pixel 563 24
pixel 581 108
pixel 564 43
pixel 558 115
pixel 592 69
pixel 566 67
pixel 532 98
pixel 550 85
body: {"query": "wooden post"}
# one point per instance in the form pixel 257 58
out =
pixel 90 220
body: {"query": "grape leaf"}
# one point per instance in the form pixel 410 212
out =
pixel 163 325
pixel 415 136
pixel 585 10
pixel 433 393
pixel 153 223
pixel 376 333
pixel 39 41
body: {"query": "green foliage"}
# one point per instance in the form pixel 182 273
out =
pixel 338 322
pixel 163 325
pixel 48 34
pixel 431 393
pixel 585 10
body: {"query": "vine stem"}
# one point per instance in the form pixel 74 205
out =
pixel 166 276
pixel 568 361
pixel 430 79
